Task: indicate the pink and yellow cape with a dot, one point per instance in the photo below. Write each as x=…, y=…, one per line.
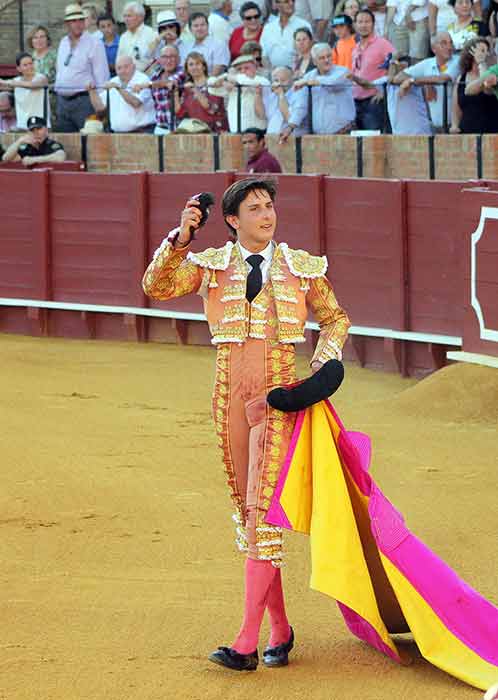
x=383, y=578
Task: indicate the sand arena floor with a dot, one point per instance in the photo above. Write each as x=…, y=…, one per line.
x=119, y=573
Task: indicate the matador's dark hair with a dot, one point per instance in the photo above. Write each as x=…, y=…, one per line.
x=237, y=193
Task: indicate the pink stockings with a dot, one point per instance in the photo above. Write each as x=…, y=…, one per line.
x=263, y=589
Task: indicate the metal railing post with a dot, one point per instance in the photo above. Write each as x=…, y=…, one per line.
x=310, y=108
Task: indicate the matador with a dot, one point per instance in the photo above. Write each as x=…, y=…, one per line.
x=256, y=295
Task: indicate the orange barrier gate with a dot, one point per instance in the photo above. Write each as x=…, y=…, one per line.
x=74, y=246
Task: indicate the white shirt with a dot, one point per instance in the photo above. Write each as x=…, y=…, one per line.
x=219, y=28
x=124, y=117
x=278, y=43
x=267, y=254
x=136, y=45
x=428, y=68
x=29, y=103
x=248, y=116
x=215, y=52
x=445, y=14
x=402, y=6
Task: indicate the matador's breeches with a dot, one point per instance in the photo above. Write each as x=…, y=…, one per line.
x=253, y=436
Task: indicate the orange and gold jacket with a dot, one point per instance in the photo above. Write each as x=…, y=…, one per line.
x=278, y=313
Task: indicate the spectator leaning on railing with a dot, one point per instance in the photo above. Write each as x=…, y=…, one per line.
x=130, y=111
x=276, y=104
x=81, y=59
x=473, y=114
x=197, y=101
x=29, y=93
x=487, y=83
x=167, y=76
x=432, y=73
x=35, y=146
x=333, y=110
x=408, y=113
x=136, y=40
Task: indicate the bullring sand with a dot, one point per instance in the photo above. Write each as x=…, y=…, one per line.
x=119, y=573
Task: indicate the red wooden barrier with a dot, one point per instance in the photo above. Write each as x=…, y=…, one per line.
x=395, y=251
x=66, y=166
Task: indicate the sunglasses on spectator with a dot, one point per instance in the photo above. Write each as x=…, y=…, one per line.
x=68, y=59
x=250, y=17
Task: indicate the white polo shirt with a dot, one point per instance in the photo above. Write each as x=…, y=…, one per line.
x=124, y=117
x=215, y=52
x=29, y=103
x=136, y=45
x=278, y=43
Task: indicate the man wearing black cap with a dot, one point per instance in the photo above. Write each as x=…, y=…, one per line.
x=35, y=146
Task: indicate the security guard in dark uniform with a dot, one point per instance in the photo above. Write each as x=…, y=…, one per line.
x=36, y=146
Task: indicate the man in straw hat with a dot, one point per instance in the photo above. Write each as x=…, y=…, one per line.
x=81, y=59
x=256, y=294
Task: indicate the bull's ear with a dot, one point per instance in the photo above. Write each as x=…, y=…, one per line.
x=317, y=387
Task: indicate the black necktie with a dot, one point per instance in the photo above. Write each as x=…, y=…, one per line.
x=254, y=278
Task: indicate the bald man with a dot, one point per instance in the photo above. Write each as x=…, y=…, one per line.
x=129, y=111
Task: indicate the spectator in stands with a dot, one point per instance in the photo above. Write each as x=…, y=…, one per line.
x=317, y=13
x=182, y=12
x=243, y=73
x=276, y=104
x=129, y=111
x=168, y=34
x=29, y=94
x=168, y=76
x=466, y=26
x=39, y=43
x=303, y=43
x=136, y=40
x=473, y=114
x=216, y=54
x=408, y=112
x=8, y=118
x=407, y=27
x=255, y=50
x=342, y=53
x=493, y=19
x=350, y=8
x=370, y=62
x=250, y=30
x=197, y=101
x=259, y=159
x=35, y=146
x=378, y=7
x=433, y=72
x=441, y=15
x=333, y=109
x=263, y=5
x=219, y=20
x=81, y=59
x=277, y=39
x=92, y=13
x=110, y=38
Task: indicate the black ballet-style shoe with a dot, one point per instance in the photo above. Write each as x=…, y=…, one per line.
x=279, y=655
x=228, y=657
x=319, y=386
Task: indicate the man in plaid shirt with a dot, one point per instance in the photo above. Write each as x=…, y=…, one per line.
x=166, y=77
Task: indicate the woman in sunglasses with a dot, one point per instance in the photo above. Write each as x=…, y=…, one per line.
x=250, y=30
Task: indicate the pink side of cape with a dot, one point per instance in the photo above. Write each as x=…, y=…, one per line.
x=465, y=613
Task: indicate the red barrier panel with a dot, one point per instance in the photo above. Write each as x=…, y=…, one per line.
x=365, y=243
x=24, y=235
x=434, y=257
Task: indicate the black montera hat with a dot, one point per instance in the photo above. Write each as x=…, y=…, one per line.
x=316, y=388
x=36, y=123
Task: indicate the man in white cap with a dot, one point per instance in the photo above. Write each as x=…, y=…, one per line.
x=243, y=78
x=137, y=38
x=168, y=34
x=81, y=59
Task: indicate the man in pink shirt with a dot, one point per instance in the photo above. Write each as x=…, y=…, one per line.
x=371, y=58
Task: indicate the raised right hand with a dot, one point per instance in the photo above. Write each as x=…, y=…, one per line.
x=190, y=217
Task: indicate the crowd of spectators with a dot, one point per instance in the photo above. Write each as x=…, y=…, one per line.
x=271, y=66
